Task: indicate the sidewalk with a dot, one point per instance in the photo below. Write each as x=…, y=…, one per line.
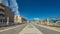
x=5, y=27
x=10, y=27
x=49, y=27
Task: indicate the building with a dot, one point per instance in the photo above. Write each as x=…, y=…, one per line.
x=24, y=20
x=6, y=15
x=19, y=19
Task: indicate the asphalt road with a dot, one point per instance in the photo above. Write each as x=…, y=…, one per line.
x=13, y=31
x=19, y=29
x=30, y=29
x=46, y=30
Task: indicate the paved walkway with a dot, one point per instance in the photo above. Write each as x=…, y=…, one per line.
x=30, y=29
x=52, y=28
x=46, y=30
x=13, y=30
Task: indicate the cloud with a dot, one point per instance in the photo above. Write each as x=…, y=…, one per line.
x=4, y=2
x=14, y=6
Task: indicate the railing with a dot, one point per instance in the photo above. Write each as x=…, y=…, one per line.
x=1, y=12
x=1, y=17
x=1, y=7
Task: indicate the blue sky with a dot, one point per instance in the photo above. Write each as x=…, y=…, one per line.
x=39, y=8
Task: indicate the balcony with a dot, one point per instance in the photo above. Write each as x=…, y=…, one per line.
x=1, y=12
x=2, y=17
x=1, y=7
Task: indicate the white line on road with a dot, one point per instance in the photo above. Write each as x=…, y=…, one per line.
x=37, y=29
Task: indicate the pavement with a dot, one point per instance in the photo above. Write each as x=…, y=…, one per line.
x=49, y=27
x=30, y=29
x=6, y=27
x=45, y=30
x=13, y=30
x=52, y=28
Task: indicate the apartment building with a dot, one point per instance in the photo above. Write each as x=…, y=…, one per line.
x=6, y=15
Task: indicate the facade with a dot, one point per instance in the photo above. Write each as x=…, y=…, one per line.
x=19, y=19
x=6, y=15
x=24, y=20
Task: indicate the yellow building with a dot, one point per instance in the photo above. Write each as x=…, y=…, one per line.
x=19, y=19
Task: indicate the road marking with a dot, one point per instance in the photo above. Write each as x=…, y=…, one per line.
x=10, y=28
x=37, y=29
x=30, y=29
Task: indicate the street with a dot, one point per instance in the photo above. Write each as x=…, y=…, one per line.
x=13, y=31
x=30, y=29
x=29, y=16
x=46, y=30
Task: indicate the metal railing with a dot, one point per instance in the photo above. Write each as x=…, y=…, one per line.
x=1, y=12
x=1, y=7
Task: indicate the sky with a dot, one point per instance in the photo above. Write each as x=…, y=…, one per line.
x=39, y=8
